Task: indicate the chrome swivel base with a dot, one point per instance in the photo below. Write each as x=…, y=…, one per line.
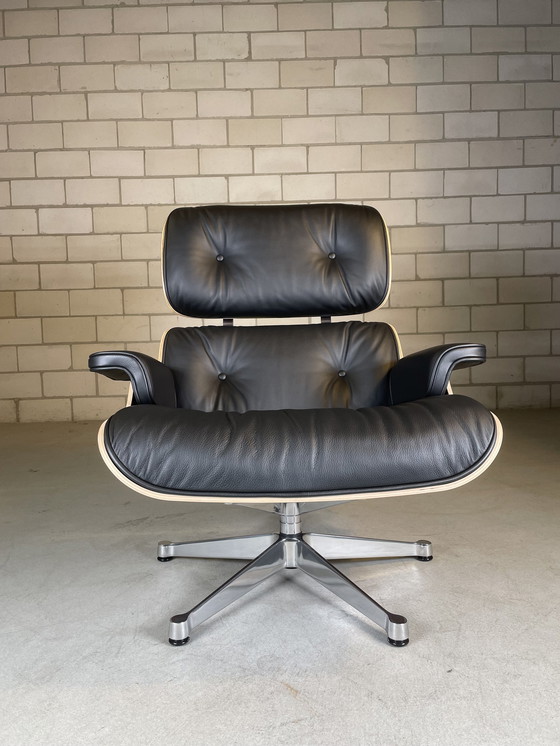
x=290, y=549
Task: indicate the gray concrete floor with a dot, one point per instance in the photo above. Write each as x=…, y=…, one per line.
x=84, y=609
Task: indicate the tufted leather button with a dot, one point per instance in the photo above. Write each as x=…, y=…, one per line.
x=220, y=258
x=332, y=255
x=222, y=376
x=342, y=373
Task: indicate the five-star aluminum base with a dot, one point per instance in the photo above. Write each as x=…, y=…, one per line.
x=290, y=549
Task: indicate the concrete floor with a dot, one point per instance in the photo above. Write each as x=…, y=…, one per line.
x=84, y=607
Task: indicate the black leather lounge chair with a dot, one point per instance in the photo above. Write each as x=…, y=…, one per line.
x=289, y=417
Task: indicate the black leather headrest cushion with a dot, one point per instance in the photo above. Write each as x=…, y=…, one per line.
x=275, y=261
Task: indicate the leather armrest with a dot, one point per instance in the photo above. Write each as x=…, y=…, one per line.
x=152, y=381
x=427, y=373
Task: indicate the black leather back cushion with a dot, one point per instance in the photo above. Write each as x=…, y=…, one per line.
x=275, y=261
x=307, y=366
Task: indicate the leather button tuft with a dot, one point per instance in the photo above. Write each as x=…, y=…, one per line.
x=332, y=255
x=222, y=376
x=220, y=258
x=342, y=373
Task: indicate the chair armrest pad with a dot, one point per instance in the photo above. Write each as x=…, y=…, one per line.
x=427, y=373
x=152, y=381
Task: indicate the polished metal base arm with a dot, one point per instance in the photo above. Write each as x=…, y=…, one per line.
x=290, y=549
x=354, y=547
x=266, y=564
x=236, y=547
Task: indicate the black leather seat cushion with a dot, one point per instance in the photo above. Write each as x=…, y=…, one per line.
x=291, y=453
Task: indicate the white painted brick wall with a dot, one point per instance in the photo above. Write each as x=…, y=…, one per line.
x=441, y=113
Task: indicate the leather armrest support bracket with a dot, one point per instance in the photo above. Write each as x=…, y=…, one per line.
x=427, y=373
x=152, y=381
